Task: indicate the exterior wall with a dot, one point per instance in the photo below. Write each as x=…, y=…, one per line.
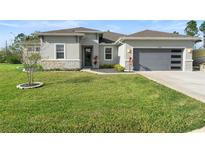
x=72, y=47
x=72, y=53
x=96, y=53
x=187, y=56
x=115, y=59
x=90, y=40
x=61, y=64
x=187, y=60
x=122, y=54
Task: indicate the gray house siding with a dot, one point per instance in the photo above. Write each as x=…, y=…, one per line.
x=115, y=59
x=72, y=53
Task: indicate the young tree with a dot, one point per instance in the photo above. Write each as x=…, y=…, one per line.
x=202, y=29
x=191, y=28
x=31, y=65
x=19, y=42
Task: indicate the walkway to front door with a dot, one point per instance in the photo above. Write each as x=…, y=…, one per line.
x=87, y=56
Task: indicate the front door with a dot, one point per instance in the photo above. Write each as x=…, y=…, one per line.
x=87, y=56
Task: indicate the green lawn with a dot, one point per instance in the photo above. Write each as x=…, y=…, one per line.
x=83, y=102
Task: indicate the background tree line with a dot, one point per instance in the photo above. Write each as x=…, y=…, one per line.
x=192, y=29
x=13, y=54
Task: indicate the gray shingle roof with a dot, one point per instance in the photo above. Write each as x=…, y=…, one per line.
x=152, y=33
x=73, y=30
x=111, y=36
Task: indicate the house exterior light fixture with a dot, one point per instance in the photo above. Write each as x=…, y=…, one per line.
x=189, y=50
x=129, y=50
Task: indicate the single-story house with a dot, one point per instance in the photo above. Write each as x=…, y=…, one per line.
x=80, y=47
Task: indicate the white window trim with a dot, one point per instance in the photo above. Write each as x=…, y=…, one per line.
x=56, y=52
x=111, y=53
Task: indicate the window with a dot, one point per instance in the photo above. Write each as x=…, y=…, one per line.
x=60, y=50
x=37, y=48
x=176, y=56
x=108, y=53
x=175, y=62
x=175, y=67
x=176, y=50
x=30, y=49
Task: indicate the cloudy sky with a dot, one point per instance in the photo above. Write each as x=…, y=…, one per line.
x=8, y=29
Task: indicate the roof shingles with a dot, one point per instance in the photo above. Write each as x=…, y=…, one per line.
x=73, y=30
x=152, y=33
x=110, y=37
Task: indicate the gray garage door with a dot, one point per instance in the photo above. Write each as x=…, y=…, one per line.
x=157, y=59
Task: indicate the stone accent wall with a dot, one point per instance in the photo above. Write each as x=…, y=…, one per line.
x=61, y=64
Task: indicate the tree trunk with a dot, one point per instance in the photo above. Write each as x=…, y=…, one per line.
x=29, y=75
x=27, y=71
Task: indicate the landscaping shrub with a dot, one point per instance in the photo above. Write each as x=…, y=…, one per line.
x=2, y=57
x=119, y=68
x=39, y=67
x=107, y=66
x=9, y=57
x=13, y=59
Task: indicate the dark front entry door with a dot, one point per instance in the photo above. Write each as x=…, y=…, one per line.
x=87, y=56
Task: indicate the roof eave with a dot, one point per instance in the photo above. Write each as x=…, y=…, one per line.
x=160, y=38
x=60, y=34
x=99, y=32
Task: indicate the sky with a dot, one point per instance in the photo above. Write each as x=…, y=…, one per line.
x=10, y=28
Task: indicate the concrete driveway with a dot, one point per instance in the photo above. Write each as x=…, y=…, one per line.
x=189, y=83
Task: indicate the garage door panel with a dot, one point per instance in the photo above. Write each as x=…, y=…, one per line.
x=152, y=59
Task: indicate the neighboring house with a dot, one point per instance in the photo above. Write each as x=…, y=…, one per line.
x=80, y=47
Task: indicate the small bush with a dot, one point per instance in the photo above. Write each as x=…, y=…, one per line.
x=2, y=57
x=13, y=59
x=119, y=68
x=39, y=67
x=9, y=57
x=107, y=66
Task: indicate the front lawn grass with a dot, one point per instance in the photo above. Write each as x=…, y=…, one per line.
x=83, y=102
